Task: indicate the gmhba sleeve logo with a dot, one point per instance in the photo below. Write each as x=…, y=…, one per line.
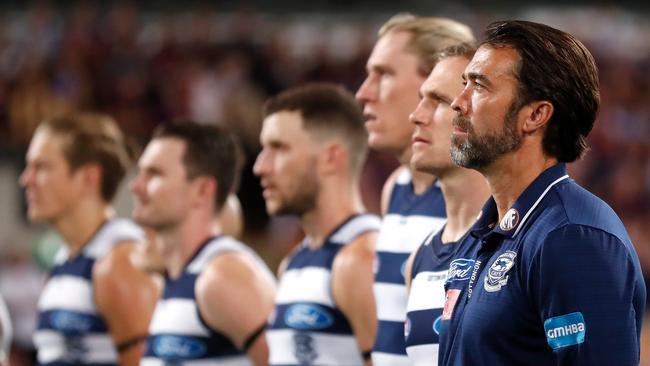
x=565, y=330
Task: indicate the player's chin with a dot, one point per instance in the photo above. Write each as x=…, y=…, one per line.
x=272, y=207
x=421, y=165
x=36, y=215
x=141, y=218
x=379, y=142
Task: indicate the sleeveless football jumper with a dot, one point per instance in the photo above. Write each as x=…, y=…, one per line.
x=307, y=328
x=70, y=330
x=178, y=335
x=409, y=219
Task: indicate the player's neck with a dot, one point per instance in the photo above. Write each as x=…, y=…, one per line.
x=465, y=193
x=510, y=175
x=179, y=243
x=404, y=157
x=82, y=222
x=335, y=204
x=421, y=181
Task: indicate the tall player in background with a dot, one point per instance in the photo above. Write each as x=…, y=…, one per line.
x=465, y=192
x=218, y=293
x=313, y=149
x=96, y=306
x=412, y=203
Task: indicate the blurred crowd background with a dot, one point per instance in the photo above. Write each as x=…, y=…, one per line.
x=148, y=63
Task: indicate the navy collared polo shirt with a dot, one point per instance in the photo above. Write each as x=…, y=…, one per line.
x=556, y=282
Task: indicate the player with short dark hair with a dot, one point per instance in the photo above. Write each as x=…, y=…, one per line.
x=218, y=293
x=313, y=148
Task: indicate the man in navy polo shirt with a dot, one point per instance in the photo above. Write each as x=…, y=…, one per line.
x=552, y=277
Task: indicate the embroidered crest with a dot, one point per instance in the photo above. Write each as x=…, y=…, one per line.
x=496, y=276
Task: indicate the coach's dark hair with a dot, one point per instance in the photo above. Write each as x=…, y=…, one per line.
x=556, y=67
x=327, y=110
x=209, y=151
x=93, y=138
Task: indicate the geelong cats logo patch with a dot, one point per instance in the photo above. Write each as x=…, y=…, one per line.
x=497, y=274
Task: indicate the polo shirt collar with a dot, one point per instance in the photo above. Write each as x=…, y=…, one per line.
x=521, y=210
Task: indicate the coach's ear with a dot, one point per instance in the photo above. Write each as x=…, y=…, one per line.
x=334, y=157
x=536, y=114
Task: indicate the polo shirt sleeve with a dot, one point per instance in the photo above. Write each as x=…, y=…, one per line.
x=582, y=283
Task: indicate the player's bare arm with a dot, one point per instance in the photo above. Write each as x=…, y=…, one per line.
x=352, y=281
x=235, y=297
x=126, y=297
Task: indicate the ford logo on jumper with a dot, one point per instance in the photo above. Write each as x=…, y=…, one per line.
x=305, y=316
x=68, y=321
x=460, y=269
x=175, y=347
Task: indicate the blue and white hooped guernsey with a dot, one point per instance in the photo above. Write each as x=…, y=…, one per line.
x=427, y=299
x=70, y=330
x=409, y=219
x=178, y=334
x=306, y=327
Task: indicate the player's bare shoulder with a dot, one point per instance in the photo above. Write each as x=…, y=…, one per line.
x=231, y=270
x=118, y=265
x=360, y=250
x=116, y=278
x=234, y=293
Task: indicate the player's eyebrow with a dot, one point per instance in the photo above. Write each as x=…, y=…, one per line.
x=380, y=68
x=437, y=96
